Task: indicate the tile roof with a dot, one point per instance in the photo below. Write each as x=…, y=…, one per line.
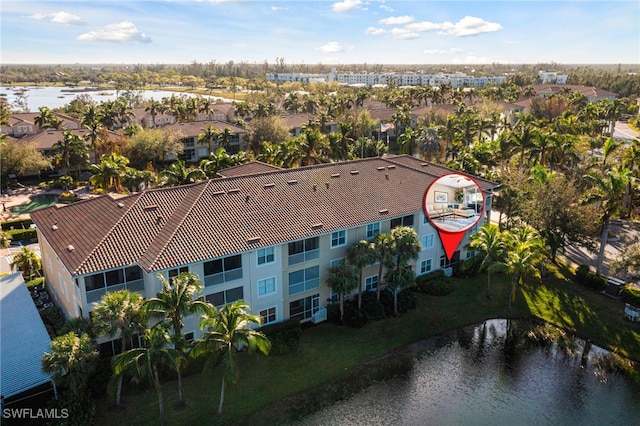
x=163, y=228
x=47, y=138
x=250, y=168
x=23, y=338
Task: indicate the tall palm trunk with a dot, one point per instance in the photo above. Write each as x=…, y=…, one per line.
x=360, y=291
x=221, y=397
x=379, y=284
x=603, y=244
x=156, y=383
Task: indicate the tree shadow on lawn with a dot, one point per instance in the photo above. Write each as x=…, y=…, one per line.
x=585, y=312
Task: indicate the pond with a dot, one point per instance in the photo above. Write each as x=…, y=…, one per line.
x=36, y=202
x=56, y=97
x=477, y=376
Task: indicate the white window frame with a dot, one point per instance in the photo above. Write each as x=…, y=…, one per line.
x=339, y=235
x=336, y=262
x=423, y=265
x=266, y=255
x=372, y=230
x=423, y=241
x=263, y=284
x=368, y=282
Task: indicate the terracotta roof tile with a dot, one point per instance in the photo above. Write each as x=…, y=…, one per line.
x=224, y=216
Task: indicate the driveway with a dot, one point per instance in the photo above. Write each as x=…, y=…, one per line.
x=623, y=132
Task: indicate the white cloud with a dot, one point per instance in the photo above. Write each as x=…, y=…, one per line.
x=467, y=26
x=442, y=51
x=403, y=34
x=333, y=47
x=277, y=8
x=116, y=33
x=375, y=31
x=64, y=18
x=397, y=20
x=386, y=8
x=343, y=6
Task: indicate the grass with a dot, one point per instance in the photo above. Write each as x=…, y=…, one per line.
x=328, y=351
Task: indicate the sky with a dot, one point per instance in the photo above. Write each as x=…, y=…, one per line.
x=313, y=32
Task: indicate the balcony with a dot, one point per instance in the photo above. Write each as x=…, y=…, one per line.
x=222, y=277
x=136, y=286
x=305, y=256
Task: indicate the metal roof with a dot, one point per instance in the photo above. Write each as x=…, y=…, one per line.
x=23, y=338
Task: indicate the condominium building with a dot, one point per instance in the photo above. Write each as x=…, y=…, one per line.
x=268, y=237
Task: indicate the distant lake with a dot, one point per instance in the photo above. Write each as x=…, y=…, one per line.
x=56, y=97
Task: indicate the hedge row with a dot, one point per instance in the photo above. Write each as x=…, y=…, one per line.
x=22, y=234
x=631, y=295
x=284, y=336
x=16, y=224
x=434, y=284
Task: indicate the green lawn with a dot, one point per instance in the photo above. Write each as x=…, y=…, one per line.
x=327, y=351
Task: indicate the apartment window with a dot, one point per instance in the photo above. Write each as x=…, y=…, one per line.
x=303, y=250
x=177, y=271
x=98, y=284
x=444, y=263
x=222, y=270
x=425, y=219
x=471, y=253
x=334, y=263
x=268, y=316
x=402, y=221
x=371, y=283
x=304, y=308
x=426, y=241
x=188, y=337
x=339, y=238
x=333, y=296
x=266, y=255
x=303, y=280
x=373, y=230
x=425, y=266
x=225, y=297
x=266, y=286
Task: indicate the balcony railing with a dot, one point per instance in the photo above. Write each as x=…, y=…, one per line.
x=222, y=277
x=134, y=286
x=304, y=256
x=304, y=286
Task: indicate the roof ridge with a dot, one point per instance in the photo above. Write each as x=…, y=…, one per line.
x=194, y=199
x=116, y=223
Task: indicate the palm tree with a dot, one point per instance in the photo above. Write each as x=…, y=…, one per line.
x=209, y=135
x=109, y=172
x=360, y=255
x=343, y=280
x=224, y=140
x=524, y=251
x=490, y=242
x=384, y=254
x=631, y=160
x=119, y=313
x=226, y=330
x=179, y=174
x=406, y=246
x=5, y=239
x=47, y=119
x=27, y=261
x=71, y=150
x=607, y=190
x=217, y=161
x=71, y=362
x=154, y=108
x=144, y=362
x=172, y=304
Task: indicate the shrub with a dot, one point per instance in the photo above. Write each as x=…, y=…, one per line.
x=16, y=224
x=631, y=295
x=372, y=308
x=22, y=234
x=407, y=300
x=353, y=317
x=589, y=279
x=284, y=336
x=36, y=282
x=53, y=319
x=441, y=287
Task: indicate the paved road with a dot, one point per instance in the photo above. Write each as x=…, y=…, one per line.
x=623, y=132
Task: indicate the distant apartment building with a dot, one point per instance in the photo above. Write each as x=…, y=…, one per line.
x=456, y=80
x=549, y=77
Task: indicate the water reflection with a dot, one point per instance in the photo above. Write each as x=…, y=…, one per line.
x=494, y=374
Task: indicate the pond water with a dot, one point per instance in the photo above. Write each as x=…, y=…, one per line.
x=56, y=97
x=479, y=377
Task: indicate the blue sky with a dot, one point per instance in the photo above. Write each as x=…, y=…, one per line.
x=311, y=32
